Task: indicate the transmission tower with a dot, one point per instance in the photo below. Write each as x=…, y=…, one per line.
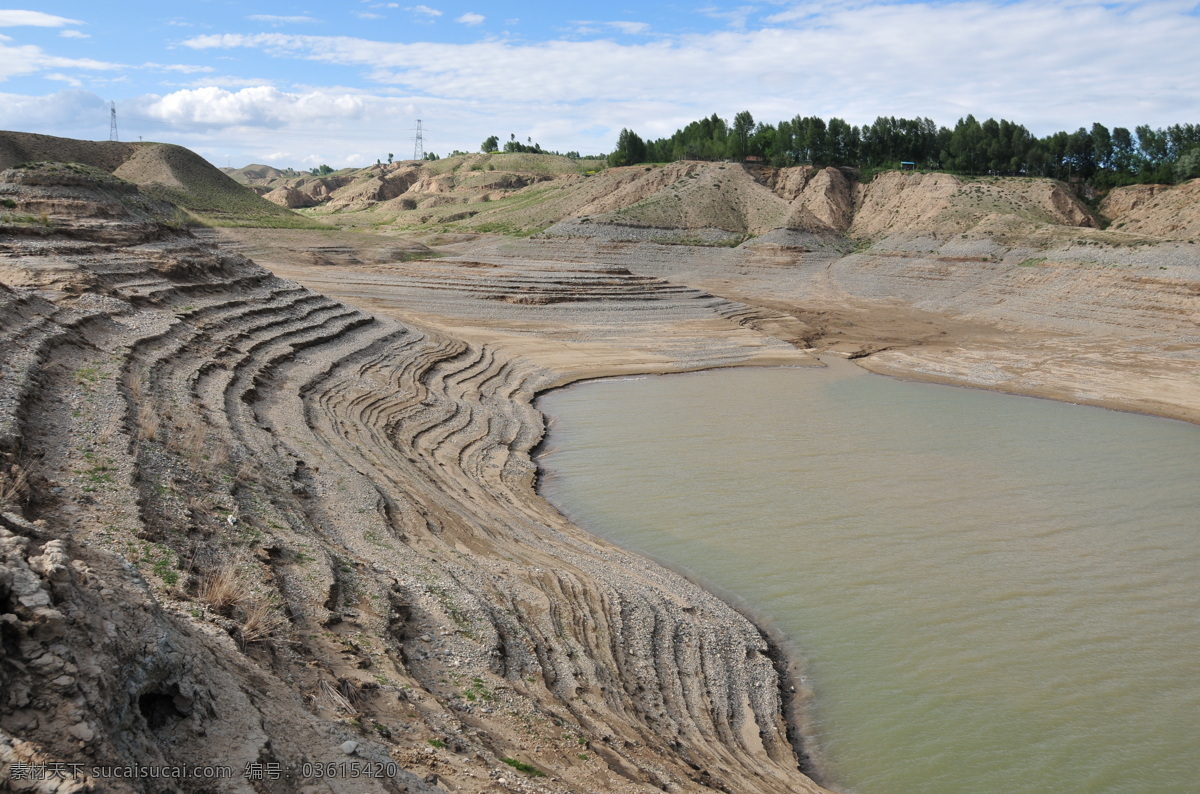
x=419, y=143
x=112, y=126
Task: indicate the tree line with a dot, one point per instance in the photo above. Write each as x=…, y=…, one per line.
x=1098, y=155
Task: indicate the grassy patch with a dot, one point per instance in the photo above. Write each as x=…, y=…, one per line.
x=477, y=691
x=521, y=766
x=508, y=229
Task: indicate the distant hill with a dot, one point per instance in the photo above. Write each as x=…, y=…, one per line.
x=258, y=174
x=163, y=170
x=699, y=202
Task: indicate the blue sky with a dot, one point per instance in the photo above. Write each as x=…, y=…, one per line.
x=306, y=83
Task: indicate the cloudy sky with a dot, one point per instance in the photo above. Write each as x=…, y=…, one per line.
x=344, y=83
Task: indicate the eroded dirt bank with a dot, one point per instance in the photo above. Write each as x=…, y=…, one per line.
x=247, y=524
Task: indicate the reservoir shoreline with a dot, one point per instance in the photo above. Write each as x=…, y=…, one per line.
x=755, y=614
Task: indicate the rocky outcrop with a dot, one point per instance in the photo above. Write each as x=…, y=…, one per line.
x=1120, y=200
x=306, y=191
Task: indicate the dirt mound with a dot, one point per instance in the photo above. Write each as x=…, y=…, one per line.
x=374, y=189
x=306, y=191
x=26, y=147
x=1156, y=210
x=702, y=202
x=169, y=172
x=1121, y=200
x=257, y=174
x=943, y=205
x=82, y=202
x=686, y=196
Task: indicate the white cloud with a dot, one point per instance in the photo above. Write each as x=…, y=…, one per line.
x=588, y=27
x=909, y=60
x=226, y=82
x=71, y=113
x=27, y=59
x=368, y=15
x=630, y=28
x=825, y=58
x=736, y=17
x=178, y=67
x=74, y=82
x=14, y=18
x=471, y=18
x=278, y=20
x=71, y=33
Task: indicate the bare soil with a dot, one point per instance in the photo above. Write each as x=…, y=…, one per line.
x=266, y=496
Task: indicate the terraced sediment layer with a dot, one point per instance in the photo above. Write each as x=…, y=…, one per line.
x=245, y=523
x=1070, y=313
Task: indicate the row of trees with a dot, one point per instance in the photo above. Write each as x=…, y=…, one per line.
x=1104, y=157
x=491, y=145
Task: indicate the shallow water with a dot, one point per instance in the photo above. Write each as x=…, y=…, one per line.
x=990, y=593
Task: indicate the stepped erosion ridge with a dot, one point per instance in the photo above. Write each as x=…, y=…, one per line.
x=267, y=484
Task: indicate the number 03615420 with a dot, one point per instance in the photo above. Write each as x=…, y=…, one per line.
x=345, y=769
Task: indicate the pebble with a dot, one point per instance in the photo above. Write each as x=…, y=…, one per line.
x=350, y=747
x=82, y=732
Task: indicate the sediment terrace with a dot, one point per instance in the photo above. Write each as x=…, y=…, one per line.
x=246, y=523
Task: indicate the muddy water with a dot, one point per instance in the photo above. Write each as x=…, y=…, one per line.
x=991, y=593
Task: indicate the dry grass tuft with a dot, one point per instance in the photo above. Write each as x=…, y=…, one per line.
x=14, y=485
x=110, y=430
x=339, y=701
x=229, y=592
x=248, y=471
x=224, y=590
x=262, y=621
x=149, y=426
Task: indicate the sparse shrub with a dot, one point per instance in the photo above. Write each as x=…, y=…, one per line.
x=9, y=203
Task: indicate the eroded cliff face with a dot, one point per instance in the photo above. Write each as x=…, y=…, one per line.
x=246, y=524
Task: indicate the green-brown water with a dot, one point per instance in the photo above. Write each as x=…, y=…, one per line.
x=990, y=593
